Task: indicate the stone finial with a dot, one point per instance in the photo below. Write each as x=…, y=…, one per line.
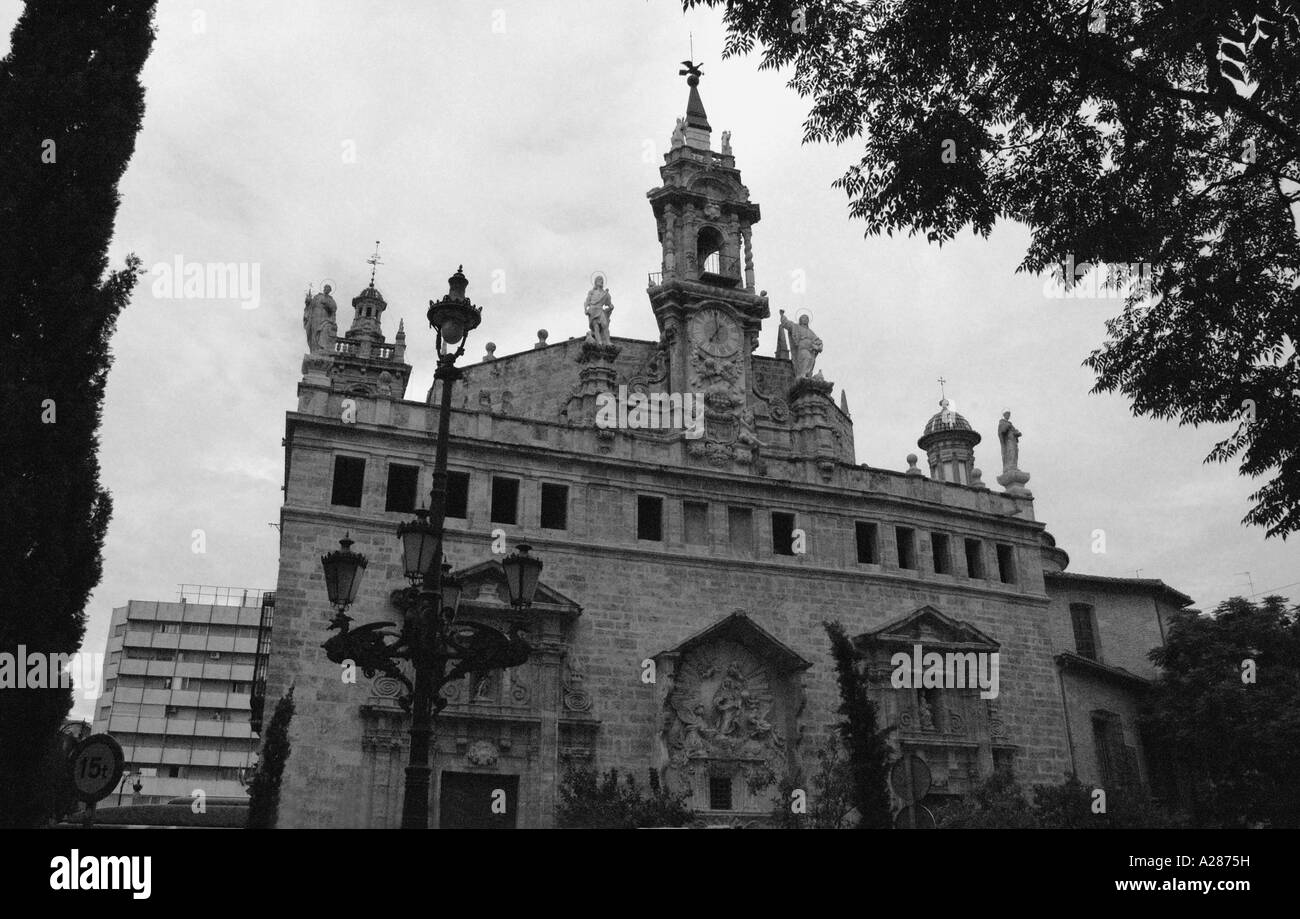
x=976, y=480
x=542, y=335
x=401, y=328
x=912, y=468
x=491, y=348
x=844, y=402
x=782, y=348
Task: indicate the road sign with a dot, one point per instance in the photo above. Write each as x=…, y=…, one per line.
x=910, y=778
x=96, y=765
x=914, y=817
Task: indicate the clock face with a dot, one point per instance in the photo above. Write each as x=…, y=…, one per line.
x=716, y=333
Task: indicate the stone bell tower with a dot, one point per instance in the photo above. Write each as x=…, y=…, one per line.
x=703, y=298
x=360, y=362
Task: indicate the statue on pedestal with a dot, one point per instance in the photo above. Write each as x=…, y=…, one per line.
x=598, y=307
x=804, y=345
x=1012, y=478
x=1009, y=438
x=319, y=323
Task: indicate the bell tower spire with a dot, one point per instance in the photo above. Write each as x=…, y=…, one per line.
x=697, y=132
x=709, y=313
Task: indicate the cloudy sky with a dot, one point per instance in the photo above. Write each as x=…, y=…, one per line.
x=520, y=139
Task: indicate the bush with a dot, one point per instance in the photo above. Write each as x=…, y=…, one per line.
x=1000, y=802
x=589, y=801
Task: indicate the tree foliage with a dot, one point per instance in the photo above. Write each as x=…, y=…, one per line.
x=829, y=801
x=264, y=790
x=1156, y=132
x=71, y=104
x=590, y=801
x=865, y=743
x=1227, y=711
x=1001, y=802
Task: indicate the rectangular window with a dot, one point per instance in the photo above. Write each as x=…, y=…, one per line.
x=169, y=628
x=171, y=711
x=190, y=683
x=119, y=630
x=740, y=529
x=173, y=772
x=868, y=548
x=941, y=549
x=649, y=518
x=1085, y=630
x=458, y=495
x=782, y=533
x=719, y=793
x=505, y=500
x=695, y=523
x=555, y=507
x=239, y=689
x=1006, y=564
x=349, y=474
x=974, y=559
x=402, y=482
x=906, y=537
x=1112, y=754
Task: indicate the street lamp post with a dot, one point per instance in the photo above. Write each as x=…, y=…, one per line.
x=430, y=637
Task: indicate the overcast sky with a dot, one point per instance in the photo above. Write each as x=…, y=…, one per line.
x=521, y=138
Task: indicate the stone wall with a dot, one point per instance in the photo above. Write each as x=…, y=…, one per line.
x=640, y=598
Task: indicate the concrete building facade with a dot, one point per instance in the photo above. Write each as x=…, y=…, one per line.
x=178, y=681
x=679, y=626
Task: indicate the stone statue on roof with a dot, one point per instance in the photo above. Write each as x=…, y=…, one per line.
x=598, y=307
x=319, y=323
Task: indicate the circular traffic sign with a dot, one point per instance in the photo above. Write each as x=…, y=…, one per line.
x=914, y=817
x=910, y=778
x=96, y=764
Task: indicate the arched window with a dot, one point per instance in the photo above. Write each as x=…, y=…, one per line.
x=708, y=251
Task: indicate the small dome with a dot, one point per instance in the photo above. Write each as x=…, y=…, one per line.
x=370, y=293
x=946, y=420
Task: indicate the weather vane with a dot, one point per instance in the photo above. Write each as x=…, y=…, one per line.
x=691, y=71
x=374, y=262
x=941, y=392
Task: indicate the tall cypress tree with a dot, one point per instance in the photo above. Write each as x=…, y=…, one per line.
x=71, y=104
x=264, y=790
x=865, y=742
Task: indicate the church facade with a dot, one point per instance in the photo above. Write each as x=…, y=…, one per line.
x=700, y=513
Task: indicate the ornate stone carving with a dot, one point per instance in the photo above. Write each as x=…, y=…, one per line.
x=576, y=699
x=723, y=712
x=482, y=753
